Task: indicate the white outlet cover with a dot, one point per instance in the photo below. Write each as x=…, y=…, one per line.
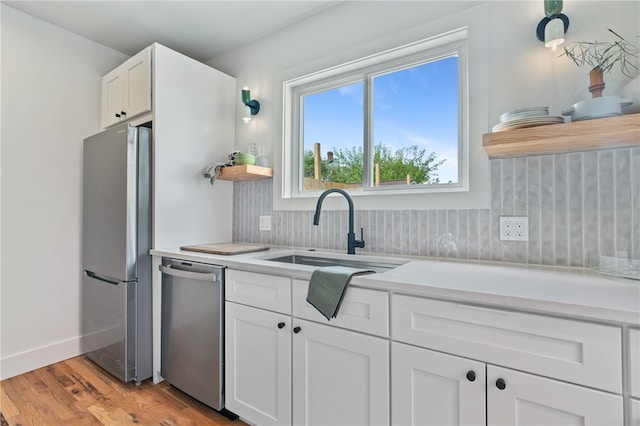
x=514, y=228
x=265, y=223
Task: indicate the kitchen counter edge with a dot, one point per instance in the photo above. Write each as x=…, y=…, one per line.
x=577, y=293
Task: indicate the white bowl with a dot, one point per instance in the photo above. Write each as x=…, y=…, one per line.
x=606, y=106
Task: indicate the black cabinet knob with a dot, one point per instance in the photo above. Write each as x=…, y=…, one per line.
x=280, y=325
x=471, y=375
x=296, y=330
x=117, y=115
x=500, y=384
x=123, y=113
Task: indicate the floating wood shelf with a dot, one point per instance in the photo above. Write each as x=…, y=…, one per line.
x=245, y=172
x=602, y=133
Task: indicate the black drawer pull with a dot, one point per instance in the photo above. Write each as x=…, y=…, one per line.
x=280, y=325
x=500, y=384
x=296, y=330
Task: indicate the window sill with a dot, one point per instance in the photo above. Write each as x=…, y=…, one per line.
x=603, y=133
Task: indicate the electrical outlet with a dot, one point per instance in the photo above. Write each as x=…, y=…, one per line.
x=514, y=228
x=265, y=223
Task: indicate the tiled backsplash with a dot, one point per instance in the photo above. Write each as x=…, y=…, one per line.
x=576, y=203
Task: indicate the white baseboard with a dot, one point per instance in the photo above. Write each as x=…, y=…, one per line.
x=33, y=359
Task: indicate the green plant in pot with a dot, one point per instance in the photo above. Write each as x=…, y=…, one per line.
x=602, y=57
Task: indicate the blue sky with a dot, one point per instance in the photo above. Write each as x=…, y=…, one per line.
x=415, y=106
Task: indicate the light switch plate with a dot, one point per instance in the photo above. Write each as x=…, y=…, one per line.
x=265, y=223
x=514, y=228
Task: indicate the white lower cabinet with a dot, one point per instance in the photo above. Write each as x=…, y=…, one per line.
x=515, y=398
x=283, y=370
x=447, y=363
x=551, y=371
x=432, y=388
x=634, y=362
x=258, y=364
x=340, y=377
x=634, y=412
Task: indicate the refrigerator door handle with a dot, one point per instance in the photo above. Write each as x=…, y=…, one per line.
x=101, y=278
x=212, y=277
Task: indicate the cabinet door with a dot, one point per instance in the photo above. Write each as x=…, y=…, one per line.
x=126, y=91
x=634, y=362
x=432, y=388
x=340, y=377
x=531, y=400
x=137, y=92
x=112, y=98
x=634, y=412
x=258, y=364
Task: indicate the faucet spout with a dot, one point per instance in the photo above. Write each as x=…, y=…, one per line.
x=352, y=243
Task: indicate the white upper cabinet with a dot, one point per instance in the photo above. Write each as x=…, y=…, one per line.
x=126, y=91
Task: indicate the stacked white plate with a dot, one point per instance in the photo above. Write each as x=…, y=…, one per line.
x=526, y=117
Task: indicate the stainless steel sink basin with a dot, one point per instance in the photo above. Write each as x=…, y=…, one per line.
x=301, y=259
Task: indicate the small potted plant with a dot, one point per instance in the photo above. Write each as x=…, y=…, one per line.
x=602, y=57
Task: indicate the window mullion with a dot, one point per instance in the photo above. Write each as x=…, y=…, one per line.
x=367, y=149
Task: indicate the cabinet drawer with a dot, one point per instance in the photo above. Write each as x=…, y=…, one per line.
x=576, y=351
x=262, y=291
x=634, y=362
x=362, y=309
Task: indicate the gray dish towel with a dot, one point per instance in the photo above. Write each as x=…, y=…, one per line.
x=327, y=287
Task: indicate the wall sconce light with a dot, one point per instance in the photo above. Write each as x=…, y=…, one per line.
x=554, y=25
x=251, y=107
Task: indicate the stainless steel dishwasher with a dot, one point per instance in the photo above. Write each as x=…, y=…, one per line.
x=192, y=357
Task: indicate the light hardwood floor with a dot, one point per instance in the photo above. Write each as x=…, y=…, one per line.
x=77, y=392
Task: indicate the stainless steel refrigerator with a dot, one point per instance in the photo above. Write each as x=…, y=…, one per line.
x=116, y=238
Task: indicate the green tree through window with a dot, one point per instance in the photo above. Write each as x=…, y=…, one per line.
x=394, y=166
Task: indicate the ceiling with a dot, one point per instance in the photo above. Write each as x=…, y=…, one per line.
x=199, y=29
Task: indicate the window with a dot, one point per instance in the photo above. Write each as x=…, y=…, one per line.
x=390, y=122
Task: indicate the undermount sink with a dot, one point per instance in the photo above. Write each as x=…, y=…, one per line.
x=303, y=259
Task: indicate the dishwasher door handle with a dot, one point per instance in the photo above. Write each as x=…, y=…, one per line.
x=200, y=276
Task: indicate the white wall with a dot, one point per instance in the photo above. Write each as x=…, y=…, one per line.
x=524, y=73
x=516, y=69
x=50, y=103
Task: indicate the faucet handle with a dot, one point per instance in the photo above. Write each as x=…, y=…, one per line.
x=360, y=243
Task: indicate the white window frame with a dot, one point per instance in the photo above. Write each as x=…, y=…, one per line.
x=365, y=69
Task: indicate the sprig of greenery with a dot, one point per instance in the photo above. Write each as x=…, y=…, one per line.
x=603, y=55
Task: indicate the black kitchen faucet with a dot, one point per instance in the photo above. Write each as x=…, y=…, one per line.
x=352, y=243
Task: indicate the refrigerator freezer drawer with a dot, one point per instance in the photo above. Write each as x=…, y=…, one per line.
x=108, y=325
x=192, y=330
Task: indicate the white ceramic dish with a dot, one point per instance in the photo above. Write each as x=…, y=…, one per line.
x=605, y=106
x=523, y=112
x=528, y=122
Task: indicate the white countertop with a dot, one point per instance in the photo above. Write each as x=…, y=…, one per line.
x=568, y=292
